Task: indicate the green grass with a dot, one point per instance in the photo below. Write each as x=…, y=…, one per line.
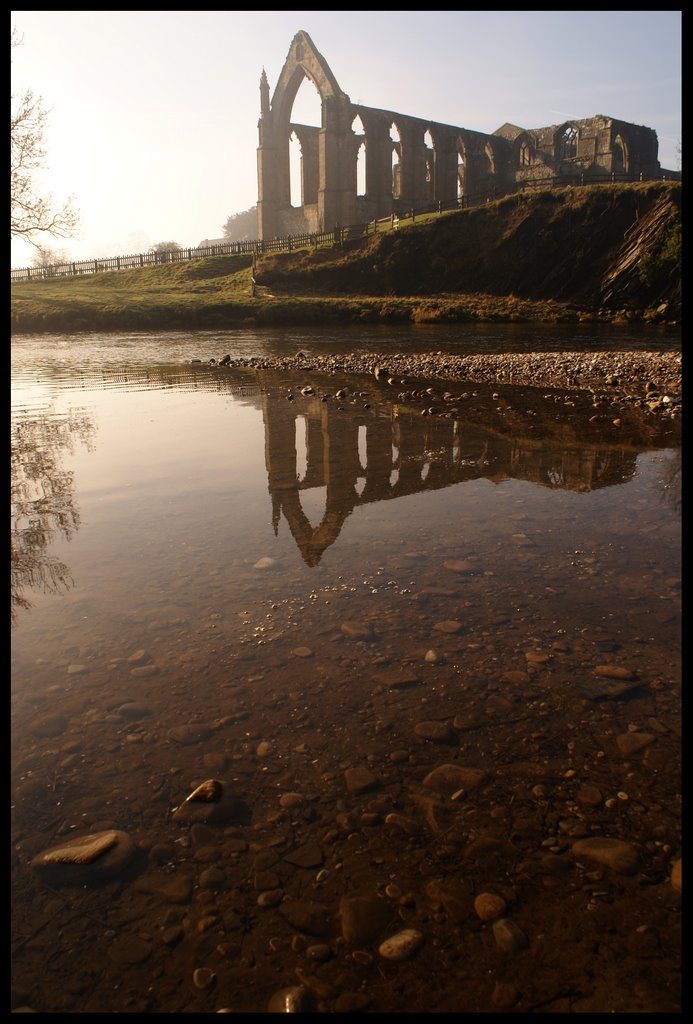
x=325, y=286
x=212, y=293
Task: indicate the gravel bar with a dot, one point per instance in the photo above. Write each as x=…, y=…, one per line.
x=628, y=374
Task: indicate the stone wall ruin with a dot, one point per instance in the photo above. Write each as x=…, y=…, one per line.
x=412, y=163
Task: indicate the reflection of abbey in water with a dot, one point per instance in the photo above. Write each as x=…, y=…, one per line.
x=359, y=455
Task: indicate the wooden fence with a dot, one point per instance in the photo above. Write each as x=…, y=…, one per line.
x=307, y=240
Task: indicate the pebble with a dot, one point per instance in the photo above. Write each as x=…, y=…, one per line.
x=436, y=732
x=302, y=652
x=614, y=672
x=211, y=801
x=458, y=565
x=489, y=906
x=294, y=999
x=449, y=778
x=504, y=996
x=81, y=860
x=358, y=630
x=203, y=977
x=363, y=918
x=397, y=677
x=266, y=563
x=360, y=780
x=630, y=743
x=509, y=936
x=193, y=732
x=49, y=726
x=616, y=854
x=449, y=626
x=402, y=945
x=130, y=950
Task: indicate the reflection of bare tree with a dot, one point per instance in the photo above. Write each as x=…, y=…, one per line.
x=42, y=496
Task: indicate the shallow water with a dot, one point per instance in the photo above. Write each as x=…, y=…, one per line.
x=213, y=547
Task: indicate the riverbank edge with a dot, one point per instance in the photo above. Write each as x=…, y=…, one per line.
x=629, y=376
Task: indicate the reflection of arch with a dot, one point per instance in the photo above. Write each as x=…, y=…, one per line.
x=358, y=456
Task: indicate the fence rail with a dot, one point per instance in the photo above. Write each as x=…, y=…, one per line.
x=307, y=240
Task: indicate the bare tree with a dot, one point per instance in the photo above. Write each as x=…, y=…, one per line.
x=46, y=256
x=33, y=214
x=166, y=247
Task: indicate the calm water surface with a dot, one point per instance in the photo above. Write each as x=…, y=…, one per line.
x=193, y=545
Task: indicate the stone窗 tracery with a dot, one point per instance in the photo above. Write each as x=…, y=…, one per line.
x=409, y=162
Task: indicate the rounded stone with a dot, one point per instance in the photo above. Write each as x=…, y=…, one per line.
x=402, y=945
x=212, y=801
x=84, y=860
x=436, y=732
x=489, y=906
x=616, y=854
x=203, y=977
x=509, y=936
x=614, y=672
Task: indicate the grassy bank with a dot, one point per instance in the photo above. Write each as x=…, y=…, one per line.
x=217, y=292
x=565, y=256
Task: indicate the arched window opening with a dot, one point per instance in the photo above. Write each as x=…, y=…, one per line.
x=295, y=169
x=363, y=447
x=525, y=154
x=301, y=449
x=430, y=157
x=360, y=133
x=307, y=107
x=568, y=143
x=396, y=161
x=314, y=503
x=619, y=158
x=306, y=110
x=460, y=176
x=490, y=158
x=361, y=170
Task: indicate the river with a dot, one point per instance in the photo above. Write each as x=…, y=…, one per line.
x=309, y=591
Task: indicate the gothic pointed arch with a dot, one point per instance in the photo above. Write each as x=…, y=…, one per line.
x=303, y=61
x=354, y=169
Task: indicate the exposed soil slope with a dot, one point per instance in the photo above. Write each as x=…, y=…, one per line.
x=579, y=245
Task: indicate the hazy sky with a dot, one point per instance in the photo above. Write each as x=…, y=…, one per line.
x=152, y=122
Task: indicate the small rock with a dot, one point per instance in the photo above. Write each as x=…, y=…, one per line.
x=402, y=945
x=630, y=743
x=203, y=977
x=616, y=854
x=360, y=780
x=82, y=860
x=358, y=630
x=294, y=999
x=212, y=801
x=489, y=906
x=449, y=778
x=509, y=936
x=614, y=672
x=436, y=732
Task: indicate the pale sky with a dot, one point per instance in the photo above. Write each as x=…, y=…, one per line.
x=152, y=115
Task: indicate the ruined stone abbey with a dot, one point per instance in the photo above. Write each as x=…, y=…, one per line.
x=412, y=163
